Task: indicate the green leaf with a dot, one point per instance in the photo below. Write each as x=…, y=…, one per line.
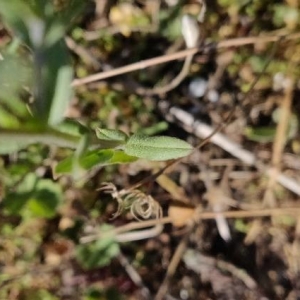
x=98, y=253
x=285, y=14
x=9, y=147
x=38, y=22
x=71, y=127
x=37, y=294
x=170, y=23
x=8, y=120
x=157, y=148
x=16, y=106
x=154, y=129
x=96, y=157
x=53, y=77
x=110, y=138
x=16, y=14
x=120, y=157
x=267, y=134
x=59, y=20
x=293, y=122
x=62, y=95
x=42, y=26
x=10, y=84
x=55, y=32
x=111, y=135
x=64, y=166
x=87, y=161
x=260, y=134
x=15, y=200
x=45, y=199
x=38, y=197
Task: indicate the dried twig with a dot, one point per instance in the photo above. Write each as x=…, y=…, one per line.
x=279, y=141
x=218, y=197
x=134, y=276
x=202, y=130
x=122, y=231
x=173, y=265
x=171, y=85
x=206, y=132
x=200, y=263
x=85, y=55
x=209, y=46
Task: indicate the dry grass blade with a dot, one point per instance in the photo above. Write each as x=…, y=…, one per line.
x=201, y=263
x=173, y=265
x=134, y=276
x=84, y=54
x=171, y=85
x=124, y=234
x=218, y=200
x=202, y=130
x=207, y=133
x=172, y=188
x=182, y=54
x=280, y=140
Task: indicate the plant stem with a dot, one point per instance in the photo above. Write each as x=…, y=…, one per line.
x=48, y=137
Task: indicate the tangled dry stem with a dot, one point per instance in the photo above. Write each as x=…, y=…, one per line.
x=141, y=206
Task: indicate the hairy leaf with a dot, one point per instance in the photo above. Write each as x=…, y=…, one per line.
x=111, y=135
x=157, y=148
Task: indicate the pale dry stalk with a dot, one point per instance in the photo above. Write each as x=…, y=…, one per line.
x=237, y=42
x=279, y=141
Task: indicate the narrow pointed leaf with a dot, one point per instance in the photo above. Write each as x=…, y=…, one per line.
x=96, y=157
x=62, y=95
x=64, y=166
x=120, y=157
x=71, y=127
x=89, y=160
x=111, y=135
x=110, y=138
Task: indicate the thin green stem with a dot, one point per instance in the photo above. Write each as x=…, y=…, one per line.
x=48, y=137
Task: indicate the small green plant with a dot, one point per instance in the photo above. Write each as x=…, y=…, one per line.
x=41, y=26
x=35, y=78
x=115, y=147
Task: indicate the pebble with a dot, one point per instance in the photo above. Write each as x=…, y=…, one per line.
x=198, y=87
x=213, y=96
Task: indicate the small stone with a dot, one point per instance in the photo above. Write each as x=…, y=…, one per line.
x=198, y=87
x=213, y=96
